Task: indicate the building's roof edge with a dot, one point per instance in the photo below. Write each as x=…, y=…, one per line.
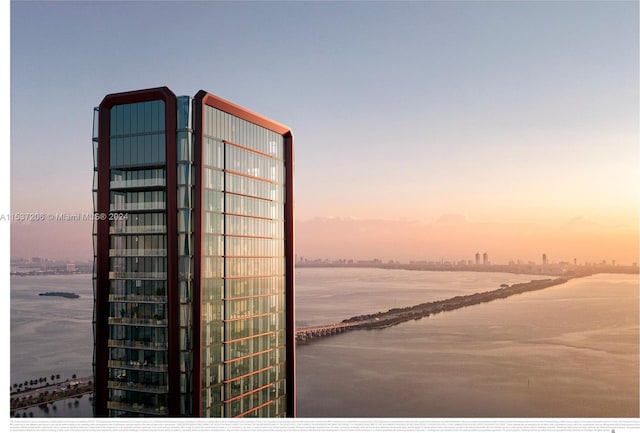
x=137, y=95
x=206, y=98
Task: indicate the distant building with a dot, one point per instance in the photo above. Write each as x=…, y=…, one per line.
x=71, y=267
x=485, y=259
x=544, y=259
x=477, y=258
x=193, y=269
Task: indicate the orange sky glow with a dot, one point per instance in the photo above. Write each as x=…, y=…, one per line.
x=502, y=127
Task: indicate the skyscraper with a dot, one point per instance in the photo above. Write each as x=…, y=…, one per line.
x=193, y=258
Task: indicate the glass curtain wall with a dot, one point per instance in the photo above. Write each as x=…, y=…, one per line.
x=138, y=336
x=243, y=269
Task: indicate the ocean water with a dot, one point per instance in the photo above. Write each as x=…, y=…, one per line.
x=565, y=351
x=52, y=335
x=330, y=295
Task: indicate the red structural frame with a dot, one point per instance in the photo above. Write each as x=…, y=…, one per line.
x=201, y=99
x=102, y=254
x=101, y=317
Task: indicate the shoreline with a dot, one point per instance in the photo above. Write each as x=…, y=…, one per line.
x=49, y=393
x=394, y=316
x=557, y=270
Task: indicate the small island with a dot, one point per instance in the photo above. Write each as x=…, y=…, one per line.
x=62, y=294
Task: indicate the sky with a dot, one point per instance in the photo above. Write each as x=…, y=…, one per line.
x=423, y=130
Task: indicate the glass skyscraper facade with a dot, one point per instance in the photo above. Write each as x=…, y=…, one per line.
x=193, y=252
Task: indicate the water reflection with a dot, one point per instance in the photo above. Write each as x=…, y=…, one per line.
x=566, y=351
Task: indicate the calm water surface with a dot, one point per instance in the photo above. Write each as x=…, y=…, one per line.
x=52, y=335
x=566, y=351
x=329, y=295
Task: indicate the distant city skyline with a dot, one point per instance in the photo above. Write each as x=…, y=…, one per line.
x=462, y=262
x=505, y=127
x=472, y=260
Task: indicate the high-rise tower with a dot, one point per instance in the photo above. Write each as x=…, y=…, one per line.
x=193, y=258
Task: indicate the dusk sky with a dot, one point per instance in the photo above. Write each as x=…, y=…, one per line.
x=423, y=130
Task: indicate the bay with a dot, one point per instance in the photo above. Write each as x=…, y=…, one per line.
x=52, y=335
x=565, y=351
x=330, y=295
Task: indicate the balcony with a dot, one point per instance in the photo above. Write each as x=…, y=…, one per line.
x=138, y=366
x=134, y=386
x=145, y=299
x=138, y=229
x=133, y=344
x=137, y=408
x=136, y=322
x=137, y=183
x=138, y=252
x=137, y=275
x=145, y=205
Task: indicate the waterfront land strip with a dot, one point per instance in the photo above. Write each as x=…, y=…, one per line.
x=395, y=316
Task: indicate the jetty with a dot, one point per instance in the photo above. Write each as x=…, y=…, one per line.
x=395, y=316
